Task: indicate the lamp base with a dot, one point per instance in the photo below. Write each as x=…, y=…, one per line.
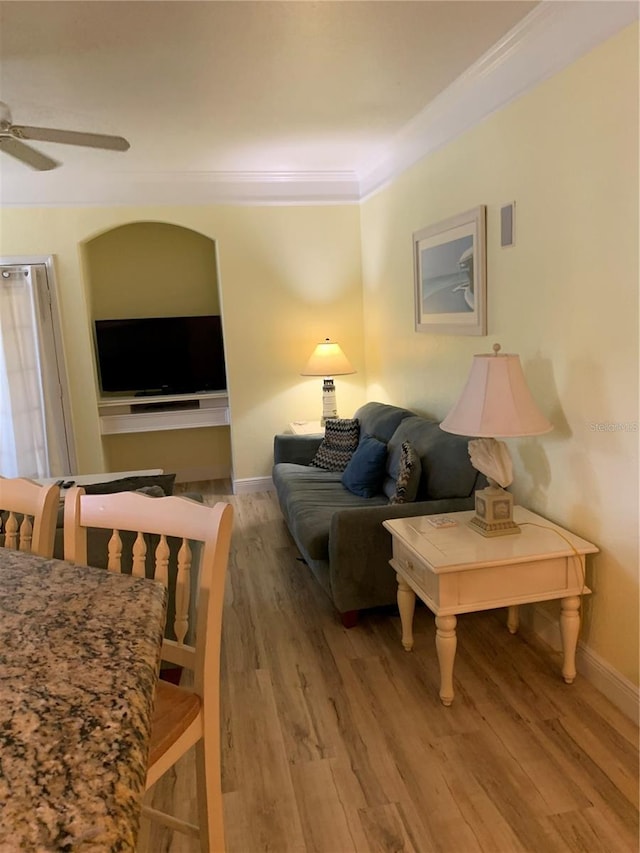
x=494, y=513
x=329, y=406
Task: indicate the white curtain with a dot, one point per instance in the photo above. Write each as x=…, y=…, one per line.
x=23, y=444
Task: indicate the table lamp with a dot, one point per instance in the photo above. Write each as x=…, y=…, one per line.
x=328, y=360
x=495, y=402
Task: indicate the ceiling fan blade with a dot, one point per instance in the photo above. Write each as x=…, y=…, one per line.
x=71, y=137
x=27, y=154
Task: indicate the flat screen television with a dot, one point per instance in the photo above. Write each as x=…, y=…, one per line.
x=161, y=355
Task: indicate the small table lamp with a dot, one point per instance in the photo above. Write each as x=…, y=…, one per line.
x=328, y=360
x=495, y=402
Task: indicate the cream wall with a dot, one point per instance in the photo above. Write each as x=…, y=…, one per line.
x=288, y=277
x=565, y=298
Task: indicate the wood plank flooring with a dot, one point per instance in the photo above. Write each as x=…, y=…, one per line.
x=335, y=740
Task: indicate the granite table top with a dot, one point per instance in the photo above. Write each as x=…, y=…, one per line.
x=79, y=656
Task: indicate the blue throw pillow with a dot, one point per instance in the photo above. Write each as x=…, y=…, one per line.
x=365, y=471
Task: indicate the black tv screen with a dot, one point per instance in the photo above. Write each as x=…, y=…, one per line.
x=161, y=355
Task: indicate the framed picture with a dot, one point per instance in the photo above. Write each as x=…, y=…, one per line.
x=450, y=275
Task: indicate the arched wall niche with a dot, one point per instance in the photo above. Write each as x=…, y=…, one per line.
x=156, y=269
x=151, y=269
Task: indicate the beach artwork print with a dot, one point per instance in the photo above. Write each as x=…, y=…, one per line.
x=447, y=277
x=450, y=286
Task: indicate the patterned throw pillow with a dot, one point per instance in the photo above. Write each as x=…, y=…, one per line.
x=409, y=472
x=338, y=445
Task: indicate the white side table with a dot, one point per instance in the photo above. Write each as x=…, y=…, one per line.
x=306, y=427
x=457, y=570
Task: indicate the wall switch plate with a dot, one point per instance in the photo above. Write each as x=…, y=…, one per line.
x=507, y=223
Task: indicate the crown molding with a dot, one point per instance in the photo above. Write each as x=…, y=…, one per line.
x=73, y=188
x=552, y=36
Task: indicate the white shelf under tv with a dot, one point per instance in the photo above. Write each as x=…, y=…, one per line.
x=163, y=412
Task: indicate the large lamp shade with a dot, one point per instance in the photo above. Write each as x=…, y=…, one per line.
x=495, y=403
x=327, y=359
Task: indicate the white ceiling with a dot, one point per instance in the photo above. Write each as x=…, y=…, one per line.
x=217, y=90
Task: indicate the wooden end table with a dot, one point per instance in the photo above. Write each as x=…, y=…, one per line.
x=457, y=570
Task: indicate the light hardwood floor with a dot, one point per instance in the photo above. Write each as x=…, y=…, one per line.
x=335, y=740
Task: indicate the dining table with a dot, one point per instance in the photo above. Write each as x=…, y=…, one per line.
x=79, y=661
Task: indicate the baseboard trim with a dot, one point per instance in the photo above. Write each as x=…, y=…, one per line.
x=252, y=484
x=618, y=689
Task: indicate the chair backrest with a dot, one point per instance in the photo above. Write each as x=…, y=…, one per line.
x=28, y=515
x=177, y=517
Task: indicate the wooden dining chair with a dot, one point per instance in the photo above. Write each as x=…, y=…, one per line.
x=28, y=515
x=183, y=717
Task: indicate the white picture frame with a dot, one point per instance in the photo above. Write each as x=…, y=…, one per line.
x=450, y=275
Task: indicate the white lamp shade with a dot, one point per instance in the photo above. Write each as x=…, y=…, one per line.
x=496, y=402
x=327, y=359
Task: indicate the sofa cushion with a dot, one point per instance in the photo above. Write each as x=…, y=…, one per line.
x=380, y=419
x=132, y=484
x=363, y=475
x=447, y=471
x=311, y=514
x=339, y=443
x=308, y=498
x=408, y=477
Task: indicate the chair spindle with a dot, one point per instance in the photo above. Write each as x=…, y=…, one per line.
x=139, y=552
x=161, y=572
x=26, y=533
x=114, y=563
x=183, y=586
x=11, y=532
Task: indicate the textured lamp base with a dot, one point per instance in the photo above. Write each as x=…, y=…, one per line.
x=494, y=513
x=498, y=528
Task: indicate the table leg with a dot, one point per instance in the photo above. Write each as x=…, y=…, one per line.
x=406, y=606
x=569, y=629
x=513, y=618
x=446, y=642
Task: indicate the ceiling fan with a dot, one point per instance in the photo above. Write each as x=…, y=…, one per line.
x=12, y=136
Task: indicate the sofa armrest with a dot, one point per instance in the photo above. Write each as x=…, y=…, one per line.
x=298, y=449
x=360, y=547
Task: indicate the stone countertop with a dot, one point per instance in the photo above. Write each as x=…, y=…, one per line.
x=79, y=655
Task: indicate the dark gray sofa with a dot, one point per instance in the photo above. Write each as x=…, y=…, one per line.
x=339, y=534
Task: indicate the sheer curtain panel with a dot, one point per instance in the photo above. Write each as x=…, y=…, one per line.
x=23, y=443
